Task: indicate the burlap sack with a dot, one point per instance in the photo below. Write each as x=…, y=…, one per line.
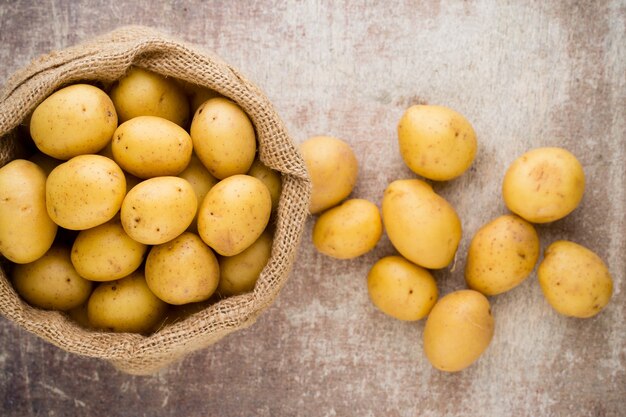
x=105, y=59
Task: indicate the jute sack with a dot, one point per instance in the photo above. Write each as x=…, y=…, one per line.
x=106, y=59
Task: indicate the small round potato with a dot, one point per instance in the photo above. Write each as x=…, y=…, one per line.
x=145, y=93
x=401, y=289
x=223, y=137
x=436, y=142
x=158, y=210
x=125, y=305
x=333, y=169
x=106, y=252
x=201, y=181
x=85, y=191
x=239, y=273
x=75, y=120
x=51, y=282
x=150, y=146
x=458, y=330
x=502, y=255
x=183, y=270
x=26, y=229
x=348, y=230
x=421, y=225
x=234, y=213
x=544, y=185
x=270, y=178
x=574, y=280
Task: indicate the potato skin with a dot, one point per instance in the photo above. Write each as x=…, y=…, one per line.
x=574, y=280
x=26, y=229
x=544, y=185
x=239, y=273
x=201, y=181
x=272, y=180
x=501, y=255
x=458, y=330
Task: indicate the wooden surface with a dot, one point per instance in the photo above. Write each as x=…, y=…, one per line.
x=526, y=74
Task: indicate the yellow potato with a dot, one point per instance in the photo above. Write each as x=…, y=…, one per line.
x=544, y=185
x=333, y=169
x=125, y=305
x=145, y=93
x=75, y=120
x=198, y=95
x=234, y=213
x=272, y=180
x=201, y=181
x=183, y=270
x=401, y=289
x=348, y=230
x=223, y=137
x=149, y=146
x=26, y=229
x=436, y=142
x=45, y=162
x=51, y=282
x=106, y=252
x=84, y=192
x=458, y=330
x=79, y=315
x=421, y=225
x=239, y=273
x=574, y=280
x=158, y=210
x=502, y=255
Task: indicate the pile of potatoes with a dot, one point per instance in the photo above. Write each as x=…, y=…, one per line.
x=439, y=144
x=130, y=208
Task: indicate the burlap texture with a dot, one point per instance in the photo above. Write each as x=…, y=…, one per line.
x=106, y=59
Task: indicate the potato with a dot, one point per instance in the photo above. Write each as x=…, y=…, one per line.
x=125, y=305
x=272, y=180
x=333, y=169
x=502, y=255
x=348, y=230
x=458, y=330
x=51, y=282
x=436, y=142
x=45, y=162
x=79, y=315
x=149, y=146
x=201, y=181
x=234, y=213
x=239, y=273
x=158, y=210
x=75, y=120
x=421, y=225
x=223, y=137
x=26, y=229
x=574, y=280
x=198, y=95
x=84, y=192
x=544, y=185
x=144, y=93
x=183, y=270
x=401, y=289
x=106, y=252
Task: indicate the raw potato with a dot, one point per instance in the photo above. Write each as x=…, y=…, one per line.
x=401, y=289
x=75, y=120
x=125, y=305
x=198, y=95
x=239, y=273
x=223, y=138
x=149, y=146
x=144, y=93
x=45, y=162
x=458, y=330
x=183, y=270
x=348, y=230
x=270, y=178
x=574, y=280
x=158, y=210
x=544, y=185
x=502, y=255
x=421, y=225
x=51, y=282
x=106, y=252
x=234, y=213
x=333, y=169
x=201, y=181
x=26, y=229
x=84, y=192
x=436, y=142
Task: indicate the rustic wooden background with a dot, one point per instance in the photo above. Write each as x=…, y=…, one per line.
x=525, y=73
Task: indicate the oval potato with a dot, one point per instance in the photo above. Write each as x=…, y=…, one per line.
x=271, y=178
x=201, y=181
x=239, y=273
